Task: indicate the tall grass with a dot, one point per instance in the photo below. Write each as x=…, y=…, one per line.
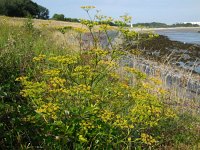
x=18, y=46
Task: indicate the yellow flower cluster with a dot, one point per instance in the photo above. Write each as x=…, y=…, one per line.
x=147, y=85
x=60, y=91
x=114, y=76
x=105, y=27
x=106, y=115
x=156, y=81
x=88, y=23
x=169, y=113
x=162, y=91
x=107, y=63
x=85, y=125
x=57, y=82
x=39, y=58
x=99, y=52
x=137, y=73
x=146, y=105
x=122, y=123
x=51, y=72
x=140, y=95
x=129, y=33
x=82, y=139
x=87, y=8
x=82, y=68
x=68, y=59
x=83, y=72
x=80, y=89
x=80, y=30
x=22, y=79
x=147, y=139
x=33, y=89
x=48, y=110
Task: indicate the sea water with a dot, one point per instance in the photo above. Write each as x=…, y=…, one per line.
x=186, y=35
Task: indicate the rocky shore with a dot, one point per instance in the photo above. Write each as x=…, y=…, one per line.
x=177, y=64
x=163, y=50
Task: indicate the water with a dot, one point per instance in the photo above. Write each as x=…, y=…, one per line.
x=187, y=35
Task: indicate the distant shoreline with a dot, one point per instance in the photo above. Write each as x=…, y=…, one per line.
x=172, y=28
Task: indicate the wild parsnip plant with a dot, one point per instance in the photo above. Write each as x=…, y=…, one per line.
x=85, y=100
x=83, y=103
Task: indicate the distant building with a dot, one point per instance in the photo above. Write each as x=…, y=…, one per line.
x=193, y=23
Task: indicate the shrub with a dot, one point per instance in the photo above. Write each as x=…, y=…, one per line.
x=85, y=103
x=59, y=17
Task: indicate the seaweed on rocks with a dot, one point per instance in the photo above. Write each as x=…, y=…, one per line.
x=164, y=50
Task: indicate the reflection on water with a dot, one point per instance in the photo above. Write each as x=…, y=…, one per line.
x=182, y=35
x=186, y=35
x=193, y=66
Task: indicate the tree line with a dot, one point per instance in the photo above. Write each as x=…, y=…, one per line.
x=61, y=17
x=163, y=25
x=23, y=8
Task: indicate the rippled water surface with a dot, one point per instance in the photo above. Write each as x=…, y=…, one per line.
x=190, y=35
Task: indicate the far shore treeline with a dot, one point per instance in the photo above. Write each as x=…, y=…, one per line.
x=61, y=17
x=163, y=25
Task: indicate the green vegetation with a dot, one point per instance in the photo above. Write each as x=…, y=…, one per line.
x=163, y=25
x=72, y=20
x=61, y=17
x=55, y=97
x=151, y=25
x=184, y=25
x=23, y=8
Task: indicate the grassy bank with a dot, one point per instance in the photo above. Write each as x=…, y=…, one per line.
x=60, y=92
x=38, y=23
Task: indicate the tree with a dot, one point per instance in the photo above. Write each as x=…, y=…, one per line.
x=60, y=17
x=2, y=7
x=43, y=13
x=23, y=8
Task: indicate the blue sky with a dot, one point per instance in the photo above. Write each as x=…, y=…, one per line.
x=166, y=11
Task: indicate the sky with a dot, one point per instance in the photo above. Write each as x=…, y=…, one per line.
x=166, y=11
